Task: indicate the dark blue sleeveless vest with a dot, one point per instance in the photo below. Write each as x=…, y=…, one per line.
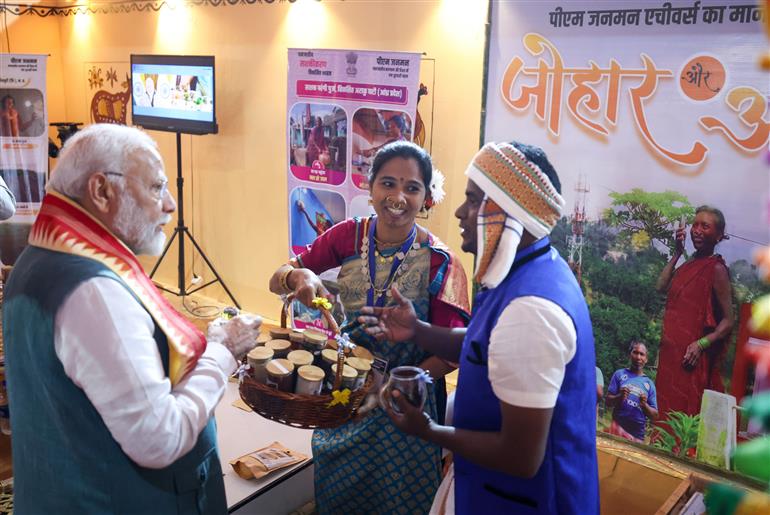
x=567, y=481
x=64, y=457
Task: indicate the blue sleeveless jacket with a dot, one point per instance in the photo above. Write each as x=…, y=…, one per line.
x=64, y=457
x=567, y=481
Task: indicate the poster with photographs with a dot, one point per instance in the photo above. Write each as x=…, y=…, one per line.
x=662, y=129
x=23, y=144
x=343, y=106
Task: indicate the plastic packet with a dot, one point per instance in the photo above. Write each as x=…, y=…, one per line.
x=262, y=462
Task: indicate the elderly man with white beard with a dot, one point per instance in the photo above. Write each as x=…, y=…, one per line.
x=112, y=392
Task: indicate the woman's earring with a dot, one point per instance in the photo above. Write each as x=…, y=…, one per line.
x=370, y=201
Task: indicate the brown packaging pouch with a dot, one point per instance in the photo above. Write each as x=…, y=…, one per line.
x=263, y=461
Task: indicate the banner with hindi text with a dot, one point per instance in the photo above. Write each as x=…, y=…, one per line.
x=647, y=110
x=23, y=144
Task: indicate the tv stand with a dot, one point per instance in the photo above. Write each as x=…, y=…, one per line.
x=179, y=232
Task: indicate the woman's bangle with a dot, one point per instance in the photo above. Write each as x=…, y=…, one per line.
x=283, y=281
x=704, y=343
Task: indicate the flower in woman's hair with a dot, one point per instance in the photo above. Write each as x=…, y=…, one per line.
x=436, y=187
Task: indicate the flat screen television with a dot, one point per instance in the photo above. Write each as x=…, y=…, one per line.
x=174, y=93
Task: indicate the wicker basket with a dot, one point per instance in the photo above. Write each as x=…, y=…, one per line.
x=299, y=410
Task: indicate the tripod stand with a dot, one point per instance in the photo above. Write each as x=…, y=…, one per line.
x=180, y=231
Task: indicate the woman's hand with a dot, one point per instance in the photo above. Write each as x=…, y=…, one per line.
x=306, y=286
x=396, y=324
x=691, y=355
x=369, y=403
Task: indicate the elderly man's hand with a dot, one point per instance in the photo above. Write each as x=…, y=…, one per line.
x=239, y=334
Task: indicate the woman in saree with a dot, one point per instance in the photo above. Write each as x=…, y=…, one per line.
x=697, y=320
x=316, y=144
x=367, y=465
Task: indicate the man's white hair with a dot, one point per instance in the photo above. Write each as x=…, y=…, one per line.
x=101, y=147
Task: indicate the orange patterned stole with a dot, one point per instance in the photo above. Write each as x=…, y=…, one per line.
x=64, y=226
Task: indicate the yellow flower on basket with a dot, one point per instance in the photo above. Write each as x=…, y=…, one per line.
x=322, y=303
x=340, y=397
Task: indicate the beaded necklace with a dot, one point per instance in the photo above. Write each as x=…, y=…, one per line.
x=376, y=296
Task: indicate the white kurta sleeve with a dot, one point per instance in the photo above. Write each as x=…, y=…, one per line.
x=7, y=201
x=104, y=340
x=529, y=349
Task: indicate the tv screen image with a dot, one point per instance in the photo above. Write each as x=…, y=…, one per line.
x=174, y=93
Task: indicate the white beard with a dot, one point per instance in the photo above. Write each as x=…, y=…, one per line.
x=137, y=230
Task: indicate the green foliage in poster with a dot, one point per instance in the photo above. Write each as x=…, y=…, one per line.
x=652, y=213
x=685, y=433
x=622, y=257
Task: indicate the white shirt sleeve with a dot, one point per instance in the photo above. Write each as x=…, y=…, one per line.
x=7, y=201
x=104, y=339
x=529, y=349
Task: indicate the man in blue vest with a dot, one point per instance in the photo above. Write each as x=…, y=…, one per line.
x=524, y=425
x=112, y=392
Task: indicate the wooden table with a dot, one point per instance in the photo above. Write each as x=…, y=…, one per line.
x=240, y=432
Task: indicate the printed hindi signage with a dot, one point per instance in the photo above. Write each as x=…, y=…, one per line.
x=23, y=144
x=666, y=14
x=647, y=110
x=343, y=106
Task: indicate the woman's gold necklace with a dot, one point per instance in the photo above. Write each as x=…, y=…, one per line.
x=402, y=268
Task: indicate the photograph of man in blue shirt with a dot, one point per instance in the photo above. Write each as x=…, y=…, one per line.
x=632, y=395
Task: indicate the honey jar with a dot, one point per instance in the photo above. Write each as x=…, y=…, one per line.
x=309, y=380
x=314, y=341
x=280, y=333
x=297, y=339
x=281, y=348
x=328, y=358
x=362, y=368
x=257, y=358
x=280, y=374
x=363, y=353
x=349, y=377
x=300, y=358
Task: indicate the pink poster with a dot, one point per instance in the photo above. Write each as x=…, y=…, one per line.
x=343, y=106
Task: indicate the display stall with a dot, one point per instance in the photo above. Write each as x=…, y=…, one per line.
x=654, y=115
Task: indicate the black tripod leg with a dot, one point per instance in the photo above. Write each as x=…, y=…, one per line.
x=181, y=230
x=211, y=267
x=168, y=246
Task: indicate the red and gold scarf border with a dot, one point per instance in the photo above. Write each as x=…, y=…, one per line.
x=64, y=226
